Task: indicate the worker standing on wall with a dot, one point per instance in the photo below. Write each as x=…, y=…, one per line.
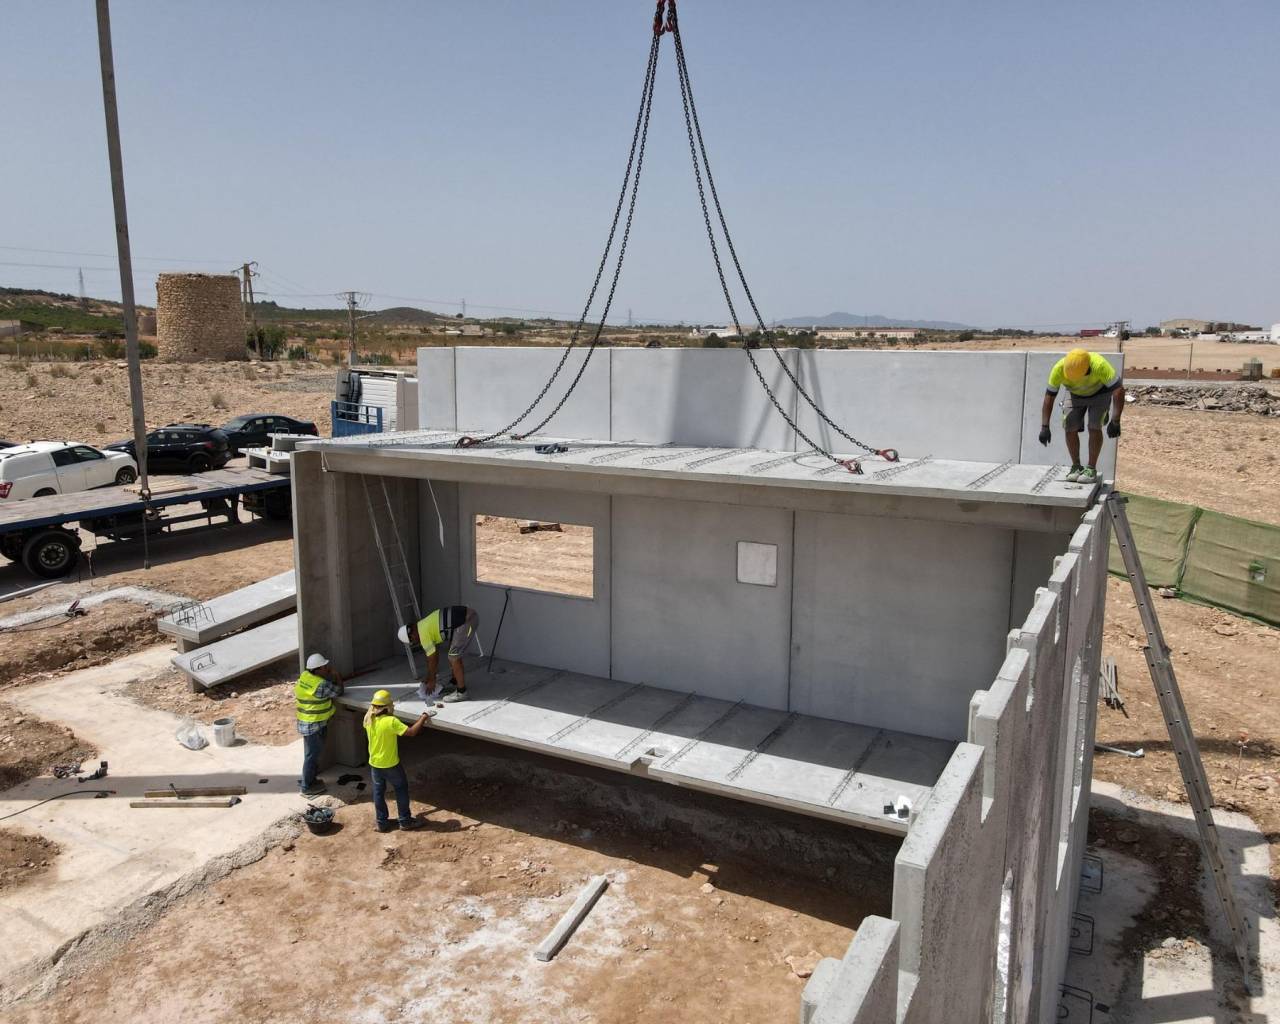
x=1096, y=393
x=384, y=730
x=313, y=694
x=455, y=625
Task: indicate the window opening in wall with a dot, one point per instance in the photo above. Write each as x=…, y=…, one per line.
x=532, y=554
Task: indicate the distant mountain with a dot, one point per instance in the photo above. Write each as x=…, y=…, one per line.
x=852, y=320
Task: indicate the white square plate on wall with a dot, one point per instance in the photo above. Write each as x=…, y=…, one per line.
x=758, y=563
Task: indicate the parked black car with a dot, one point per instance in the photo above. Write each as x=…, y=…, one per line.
x=253, y=430
x=183, y=448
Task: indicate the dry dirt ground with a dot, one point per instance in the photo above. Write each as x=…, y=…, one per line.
x=90, y=401
x=700, y=922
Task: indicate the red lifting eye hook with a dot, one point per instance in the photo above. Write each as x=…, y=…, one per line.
x=888, y=454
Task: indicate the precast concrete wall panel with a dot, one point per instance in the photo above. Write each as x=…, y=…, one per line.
x=951, y=405
x=555, y=630
x=879, y=607
x=1038, y=366
x=495, y=385
x=681, y=619
x=437, y=403
x=700, y=397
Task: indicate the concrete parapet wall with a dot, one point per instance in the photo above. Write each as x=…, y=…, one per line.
x=983, y=406
x=199, y=316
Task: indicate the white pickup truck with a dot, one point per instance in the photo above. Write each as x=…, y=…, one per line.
x=60, y=467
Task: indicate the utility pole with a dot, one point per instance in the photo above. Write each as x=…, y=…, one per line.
x=124, y=257
x=351, y=328
x=246, y=298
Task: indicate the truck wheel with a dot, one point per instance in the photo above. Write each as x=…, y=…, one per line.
x=126, y=476
x=51, y=553
x=44, y=492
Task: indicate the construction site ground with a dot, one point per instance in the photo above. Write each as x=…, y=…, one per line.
x=469, y=931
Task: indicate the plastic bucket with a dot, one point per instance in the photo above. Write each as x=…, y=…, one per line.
x=224, y=731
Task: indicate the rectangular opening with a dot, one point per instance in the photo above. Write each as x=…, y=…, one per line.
x=552, y=558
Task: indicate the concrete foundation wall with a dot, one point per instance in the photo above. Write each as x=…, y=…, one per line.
x=1010, y=810
x=983, y=406
x=881, y=606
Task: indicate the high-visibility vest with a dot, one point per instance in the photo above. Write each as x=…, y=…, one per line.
x=311, y=709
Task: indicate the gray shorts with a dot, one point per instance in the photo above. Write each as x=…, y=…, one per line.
x=461, y=639
x=1096, y=407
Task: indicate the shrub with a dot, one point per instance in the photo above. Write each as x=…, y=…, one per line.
x=218, y=400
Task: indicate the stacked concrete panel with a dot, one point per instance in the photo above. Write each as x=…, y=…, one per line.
x=199, y=316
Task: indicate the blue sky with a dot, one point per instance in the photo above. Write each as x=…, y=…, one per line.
x=990, y=162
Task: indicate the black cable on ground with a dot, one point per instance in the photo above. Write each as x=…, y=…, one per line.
x=48, y=799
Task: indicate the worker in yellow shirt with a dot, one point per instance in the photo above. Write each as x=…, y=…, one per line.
x=1096, y=393
x=455, y=626
x=384, y=731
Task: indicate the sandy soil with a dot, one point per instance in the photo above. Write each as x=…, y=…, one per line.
x=1225, y=461
x=440, y=924
x=90, y=401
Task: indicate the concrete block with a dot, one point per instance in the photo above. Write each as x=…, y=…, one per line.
x=870, y=597
x=700, y=397
x=567, y=924
x=437, y=397
x=952, y=405
x=239, y=655
x=816, y=988
x=232, y=611
x=1038, y=366
x=679, y=612
x=864, y=988
x=495, y=385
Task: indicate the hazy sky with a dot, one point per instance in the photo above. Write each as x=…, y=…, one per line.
x=1009, y=163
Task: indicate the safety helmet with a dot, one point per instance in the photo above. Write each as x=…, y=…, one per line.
x=1076, y=365
x=381, y=699
x=316, y=661
x=402, y=634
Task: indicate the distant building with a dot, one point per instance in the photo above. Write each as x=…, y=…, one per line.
x=17, y=328
x=855, y=333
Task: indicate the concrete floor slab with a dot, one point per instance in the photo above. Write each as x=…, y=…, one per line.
x=819, y=767
x=238, y=655
x=203, y=622
x=112, y=855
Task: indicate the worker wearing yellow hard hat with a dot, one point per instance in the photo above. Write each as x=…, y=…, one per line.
x=1096, y=394
x=384, y=730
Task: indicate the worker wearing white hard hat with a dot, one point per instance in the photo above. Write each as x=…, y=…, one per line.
x=454, y=625
x=313, y=694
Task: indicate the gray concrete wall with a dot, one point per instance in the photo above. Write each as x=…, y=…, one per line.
x=554, y=630
x=681, y=619
x=896, y=622
x=983, y=406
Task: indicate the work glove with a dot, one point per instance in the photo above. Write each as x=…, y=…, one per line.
x=1113, y=428
x=1045, y=435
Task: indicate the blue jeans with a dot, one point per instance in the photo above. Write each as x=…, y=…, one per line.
x=311, y=747
x=400, y=783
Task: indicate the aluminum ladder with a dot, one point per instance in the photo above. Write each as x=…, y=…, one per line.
x=1180, y=733
x=395, y=567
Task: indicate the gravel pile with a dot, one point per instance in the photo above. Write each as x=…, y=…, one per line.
x=1252, y=398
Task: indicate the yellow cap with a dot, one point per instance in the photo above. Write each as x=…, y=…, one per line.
x=381, y=699
x=1076, y=365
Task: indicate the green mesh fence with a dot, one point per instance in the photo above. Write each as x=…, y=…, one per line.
x=1215, y=559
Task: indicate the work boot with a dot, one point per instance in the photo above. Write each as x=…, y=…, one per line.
x=1074, y=473
x=412, y=825
x=454, y=696
x=1088, y=475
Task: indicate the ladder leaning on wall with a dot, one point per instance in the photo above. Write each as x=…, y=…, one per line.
x=395, y=567
x=1180, y=733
